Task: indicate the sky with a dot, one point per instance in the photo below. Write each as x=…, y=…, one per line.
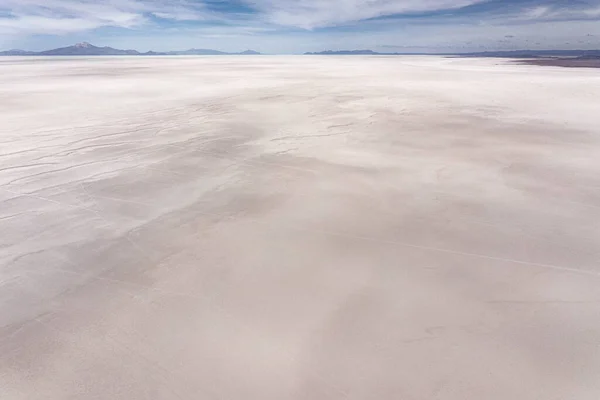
x=297, y=26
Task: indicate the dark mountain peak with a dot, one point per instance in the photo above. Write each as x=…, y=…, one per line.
x=250, y=53
x=87, y=49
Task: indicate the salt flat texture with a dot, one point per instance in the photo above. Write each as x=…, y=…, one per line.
x=298, y=228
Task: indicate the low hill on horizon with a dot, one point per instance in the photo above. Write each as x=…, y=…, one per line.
x=501, y=54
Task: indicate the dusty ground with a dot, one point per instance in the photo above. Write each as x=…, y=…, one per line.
x=298, y=228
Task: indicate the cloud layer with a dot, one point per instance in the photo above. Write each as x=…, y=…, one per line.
x=323, y=13
x=65, y=16
x=412, y=21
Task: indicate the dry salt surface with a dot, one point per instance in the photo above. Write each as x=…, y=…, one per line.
x=298, y=228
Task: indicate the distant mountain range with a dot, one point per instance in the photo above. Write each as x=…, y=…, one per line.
x=86, y=49
x=16, y=52
x=503, y=54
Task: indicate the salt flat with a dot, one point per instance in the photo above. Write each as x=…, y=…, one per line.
x=298, y=228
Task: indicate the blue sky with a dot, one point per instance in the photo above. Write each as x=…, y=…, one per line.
x=296, y=26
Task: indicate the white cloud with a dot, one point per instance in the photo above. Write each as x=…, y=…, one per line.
x=66, y=16
x=39, y=24
x=537, y=12
x=568, y=11
x=309, y=14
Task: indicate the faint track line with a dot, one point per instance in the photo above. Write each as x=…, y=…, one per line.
x=383, y=241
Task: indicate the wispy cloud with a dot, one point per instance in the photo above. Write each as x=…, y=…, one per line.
x=311, y=14
x=561, y=10
x=66, y=16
